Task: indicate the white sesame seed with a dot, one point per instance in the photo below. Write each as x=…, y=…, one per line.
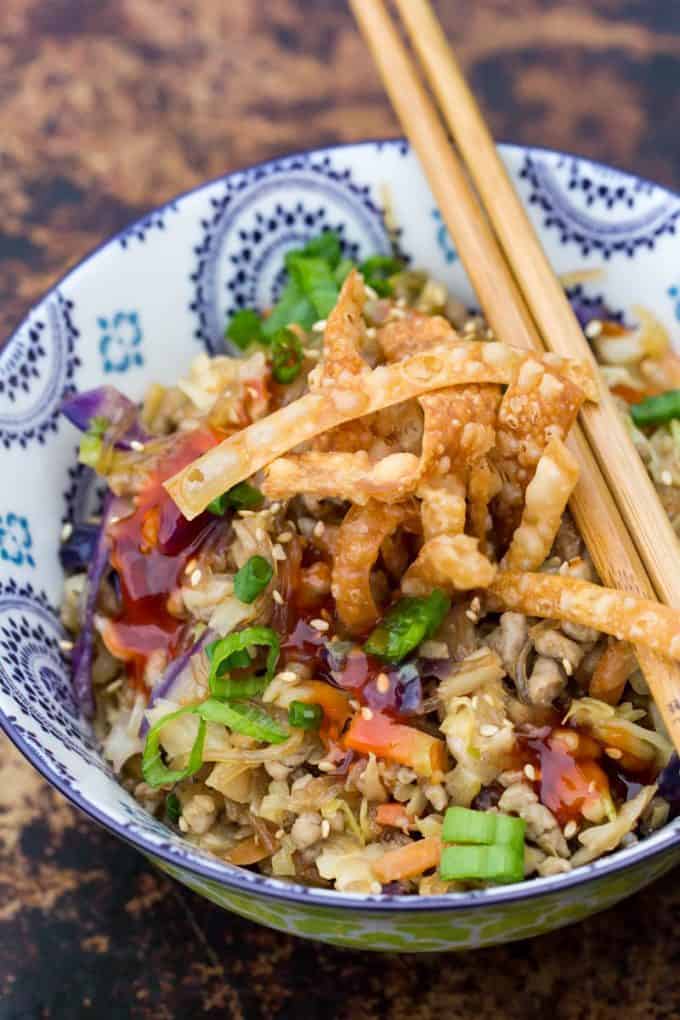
x=488, y=698
x=311, y=352
x=592, y=785
x=401, y=302
x=471, y=616
x=321, y=625
x=66, y=646
x=183, y=824
x=570, y=829
x=567, y=667
x=66, y=532
x=252, y=392
x=564, y=568
x=488, y=730
x=248, y=513
x=319, y=326
x=593, y=329
x=325, y=766
x=191, y=566
x=371, y=332
x=136, y=445
x=259, y=534
x=613, y=752
x=319, y=529
x=397, y=313
x=279, y=834
x=196, y=577
x=366, y=713
x=475, y=701
x=325, y=829
x=382, y=682
x=285, y=536
x=354, y=704
x=475, y=605
x=114, y=520
x=287, y=676
x=530, y=772
x=277, y=596
x=370, y=293
x=278, y=552
x=274, y=508
x=666, y=478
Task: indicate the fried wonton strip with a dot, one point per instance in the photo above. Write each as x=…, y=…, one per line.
x=251, y=449
x=360, y=536
x=344, y=336
x=612, y=671
x=350, y=476
x=459, y=422
x=541, y=403
x=557, y=597
x=414, y=332
x=484, y=484
x=546, y=497
x=442, y=509
x=452, y=562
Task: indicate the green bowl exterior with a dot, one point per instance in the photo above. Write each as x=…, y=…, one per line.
x=440, y=930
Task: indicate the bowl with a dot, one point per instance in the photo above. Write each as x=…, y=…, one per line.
x=138, y=309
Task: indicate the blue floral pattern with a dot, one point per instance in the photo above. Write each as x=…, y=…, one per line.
x=120, y=341
x=443, y=238
x=15, y=540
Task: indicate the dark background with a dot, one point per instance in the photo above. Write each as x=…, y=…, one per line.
x=107, y=108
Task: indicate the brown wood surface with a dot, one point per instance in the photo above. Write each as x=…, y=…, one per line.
x=108, y=107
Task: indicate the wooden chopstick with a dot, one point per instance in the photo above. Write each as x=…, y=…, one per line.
x=612, y=445
x=597, y=516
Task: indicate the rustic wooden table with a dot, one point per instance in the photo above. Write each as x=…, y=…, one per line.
x=109, y=107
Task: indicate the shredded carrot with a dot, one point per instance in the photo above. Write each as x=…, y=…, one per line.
x=379, y=734
x=408, y=861
x=335, y=707
x=393, y=815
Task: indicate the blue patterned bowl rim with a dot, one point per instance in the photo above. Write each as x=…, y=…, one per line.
x=243, y=881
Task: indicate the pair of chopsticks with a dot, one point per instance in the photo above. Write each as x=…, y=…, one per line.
x=525, y=305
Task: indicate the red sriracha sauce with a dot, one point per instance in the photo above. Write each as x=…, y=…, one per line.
x=150, y=550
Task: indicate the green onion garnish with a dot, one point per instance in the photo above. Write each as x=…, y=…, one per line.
x=377, y=271
x=245, y=717
x=154, y=770
x=463, y=825
x=499, y=863
x=245, y=328
x=173, y=808
x=242, y=496
x=287, y=356
x=305, y=716
x=229, y=653
x=657, y=410
x=406, y=624
x=252, y=578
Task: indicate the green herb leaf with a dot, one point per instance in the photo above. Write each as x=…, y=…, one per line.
x=326, y=246
x=242, y=496
x=244, y=717
x=292, y=307
x=657, y=410
x=305, y=716
x=287, y=356
x=406, y=624
x=252, y=578
x=154, y=770
x=245, y=328
x=173, y=808
x=316, y=281
x=377, y=271
x=227, y=654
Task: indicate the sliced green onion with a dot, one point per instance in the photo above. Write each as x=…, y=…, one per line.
x=287, y=356
x=245, y=328
x=244, y=717
x=227, y=653
x=173, y=808
x=252, y=578
x=154, y=770
x=482, y=863
x=305, y=716
x=242, y=496
x=406, y=624
x=377, y=271
x=463, y=825
x=657, y=410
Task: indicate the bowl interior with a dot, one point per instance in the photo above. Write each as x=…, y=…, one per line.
x=144, y=304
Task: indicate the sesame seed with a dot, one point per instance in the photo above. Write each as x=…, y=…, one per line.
x=397, y=313
x=66, y=646
x=252, y=392
x=593, y=329
x=196, y=577
x=66, y=532
x=370, y=293
x=471, y=616
x=325, y=829
x=278, y=552
x=277, y=596
x=319, y=326
x=475, y=701
x=311, y=352
x=401, y=302
x=285, y=536
x=319, y=529
x=114, y=520
x=567, y=667
x=321, y=625
x=592, y=785
x=666, y=478
x=371, y=332
x=564, y=568
x=613, y=752
x=488, y=698
x=259, y=534
x=279, y=834
x=182, y=824
x=488, y=730
x=325, y=766
x=366, y=713
x=570, y=829
x=248, y=513
x=191, y=566
x=354, y=704
x=274, y=508
x=287, y=676
x=475, y=605
x=382, y=682
x=530, y=772
x=136, y=445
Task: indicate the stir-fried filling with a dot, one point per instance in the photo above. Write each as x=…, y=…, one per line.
x=337, y=623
